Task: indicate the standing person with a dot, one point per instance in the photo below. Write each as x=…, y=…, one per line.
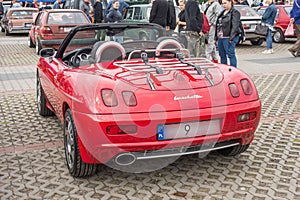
x=15, y=4
x=98, y=12
x=268, y=18
x=171, y=18
x=181, y=16
x=211, y=10
x=159, y=12
x=36, y=4
x=194, y=34
x=1, y=9
x=227, y=32
x=181, y=23
x=57, y=4
x=295, y=18
x=122, y=8
x=85, y=7
x=115, y=16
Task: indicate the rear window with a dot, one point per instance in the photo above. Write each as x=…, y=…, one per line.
x=67, y=18
x=22, y=14
x=246, y=11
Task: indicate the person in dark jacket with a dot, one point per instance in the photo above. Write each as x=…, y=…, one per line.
x=1, y=9
x=295, y=18
x=159, y=12
x=122, y=8
x=57, y=4
x=227, y=32
x=268, y=19
x=98, y=11
x=194, y=34
x=115, y=16
x=171, y=16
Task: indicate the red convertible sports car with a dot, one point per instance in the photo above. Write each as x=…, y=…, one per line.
x=123, y=100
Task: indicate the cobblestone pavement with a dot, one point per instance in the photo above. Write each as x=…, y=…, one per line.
x=32, y=163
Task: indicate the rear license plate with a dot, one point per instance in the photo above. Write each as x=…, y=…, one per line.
x=188, y=129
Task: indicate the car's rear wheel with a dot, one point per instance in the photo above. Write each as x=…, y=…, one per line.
x=41, y=100
x=278, y=36
x=257, y=41
x=235, y=150
x=38, y=46
x=30, y=43
x=76, y=166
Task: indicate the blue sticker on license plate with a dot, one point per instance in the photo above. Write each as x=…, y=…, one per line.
x=160, y=132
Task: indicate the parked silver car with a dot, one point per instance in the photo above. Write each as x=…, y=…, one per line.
x=250, y=19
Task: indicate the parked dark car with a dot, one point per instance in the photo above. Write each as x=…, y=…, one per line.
x=282, y=21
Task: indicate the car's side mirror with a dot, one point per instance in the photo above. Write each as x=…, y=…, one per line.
x=47, y=52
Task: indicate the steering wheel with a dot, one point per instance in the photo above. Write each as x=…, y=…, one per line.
x=75, y=60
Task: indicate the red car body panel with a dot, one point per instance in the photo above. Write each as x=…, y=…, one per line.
x=80, y=89
x=126, y=101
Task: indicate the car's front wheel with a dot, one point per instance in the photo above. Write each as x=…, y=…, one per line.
x=38, y=46
x=235, y=150
x=41, y=100
x=76, y=166
x=258, y=41
x=30, y=43
x=6, y=32
x=278, y=36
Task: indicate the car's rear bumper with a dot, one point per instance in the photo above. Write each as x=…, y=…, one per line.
x=51, y=42
x=97, y=146
x=19, y=29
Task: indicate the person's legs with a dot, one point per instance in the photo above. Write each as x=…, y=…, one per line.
x=295, y=49
x=231, y=51
x=222, y=49
x=211, y=47
x=193, y=42
x=269, y=39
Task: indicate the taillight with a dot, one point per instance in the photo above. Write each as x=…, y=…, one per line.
x=46, y=30
x=246, y=116
x=121, y=129
x=129, y=98
x=246, y=87
x=109, y=97
x=234, y=90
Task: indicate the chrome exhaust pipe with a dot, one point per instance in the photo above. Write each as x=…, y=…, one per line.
x=125, y=159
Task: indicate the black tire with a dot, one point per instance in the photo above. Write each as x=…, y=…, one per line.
x=30, y=43
x=2, y=29
x=38, y=46
x=278, y=36
x=233, y=151
x=6, y=32
x=41, y=100
x=258, y=41
x=77, y=168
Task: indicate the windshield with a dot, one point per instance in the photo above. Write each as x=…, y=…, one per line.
x=67, y=18
x=130, y=37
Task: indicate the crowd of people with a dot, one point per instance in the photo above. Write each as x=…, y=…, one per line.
x=224, y=21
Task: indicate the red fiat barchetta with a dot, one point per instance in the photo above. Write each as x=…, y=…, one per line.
x=123, y=100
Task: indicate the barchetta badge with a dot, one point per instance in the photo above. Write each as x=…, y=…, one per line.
x=195, y=96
